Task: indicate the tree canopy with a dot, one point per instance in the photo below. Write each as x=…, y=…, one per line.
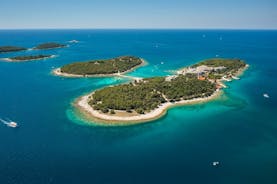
x=108, y=66
x=11, y=49
x=50, y=45
x=25, y=58
x=148, y=94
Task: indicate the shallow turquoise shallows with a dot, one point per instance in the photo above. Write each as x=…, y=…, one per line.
x=53, y=143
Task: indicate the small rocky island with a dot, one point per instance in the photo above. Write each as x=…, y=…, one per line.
x=147, y=99
x=4, y=49
x=50, y=45
x=28, y=58
x=112, y=66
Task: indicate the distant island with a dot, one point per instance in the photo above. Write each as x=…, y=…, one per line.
x=50, y=45
x=4, y=49
x=28, y=58
x=106, y=67
x=148, y=99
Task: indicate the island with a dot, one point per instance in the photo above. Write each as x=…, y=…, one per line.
x=50, y=45
x=148, y=99
x=4, y=49
x=94, y=68
x=28, y=58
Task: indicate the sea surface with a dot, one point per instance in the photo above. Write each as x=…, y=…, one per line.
x=54, y=144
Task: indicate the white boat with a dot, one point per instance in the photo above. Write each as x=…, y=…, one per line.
x=9, y=123
x=73, y=41
x=266, y=95
x=236, y=78
x=221, y=84
x=12, y=124
x=223, y=78
x=216, y=163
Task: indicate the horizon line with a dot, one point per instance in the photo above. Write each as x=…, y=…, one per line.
x=247, y=29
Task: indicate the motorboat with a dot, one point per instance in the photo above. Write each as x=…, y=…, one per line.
x=216, y=163
x=73, y=41
x=9, y=123
x=266, y=95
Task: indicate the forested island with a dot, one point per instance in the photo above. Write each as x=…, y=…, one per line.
x=148, y=94
x=100, y=67
x=4, y=49
x=29, y=58
x=147, y=99
x=50, y=45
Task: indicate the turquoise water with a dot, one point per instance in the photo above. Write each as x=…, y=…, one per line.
x=54, y=145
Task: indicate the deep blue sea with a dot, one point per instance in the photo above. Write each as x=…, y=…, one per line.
x=55, y=145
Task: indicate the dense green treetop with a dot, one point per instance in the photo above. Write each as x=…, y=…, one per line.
x=50, y=45
x=11, y=49
x=148, y=94
x=24, y=58
x=108, y=66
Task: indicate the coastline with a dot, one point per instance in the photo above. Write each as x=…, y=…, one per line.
x=112, y=120
x=57, y=72
x=125, y=119
x=242, y=70
x=17, y=61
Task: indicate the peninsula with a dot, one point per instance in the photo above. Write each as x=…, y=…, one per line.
x=28, y=58
x=50, y=45
x=4, y=49
x=148, y=99
x=96, y=68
